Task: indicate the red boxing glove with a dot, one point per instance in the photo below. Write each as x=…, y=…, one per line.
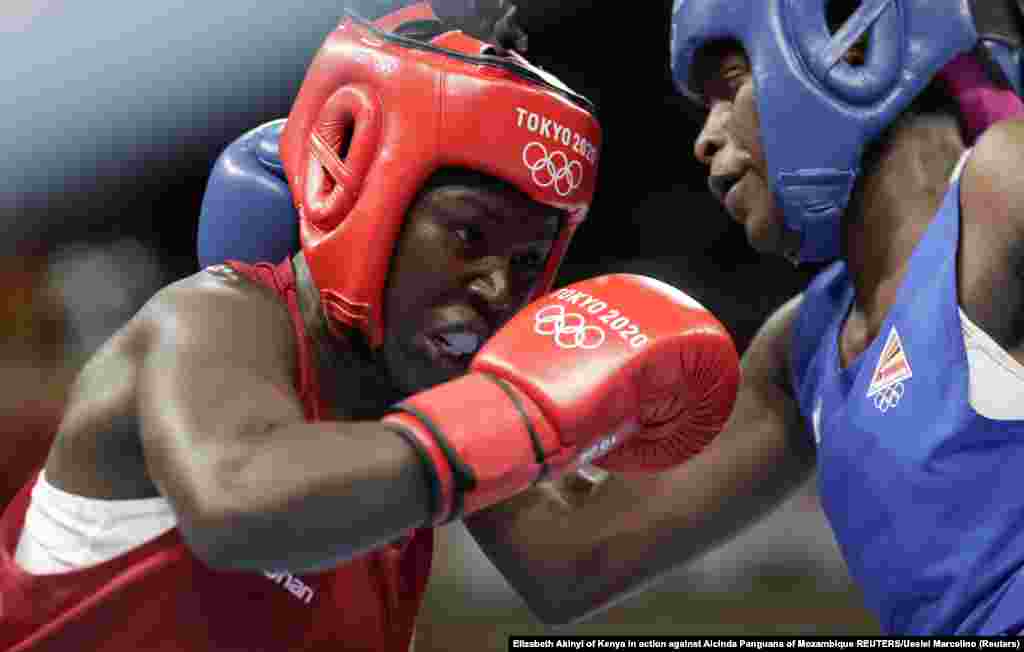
x=622, y=369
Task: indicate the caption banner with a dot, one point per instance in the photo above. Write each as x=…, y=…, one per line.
x=755, y=643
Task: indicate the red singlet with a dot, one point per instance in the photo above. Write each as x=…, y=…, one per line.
x=161, y=598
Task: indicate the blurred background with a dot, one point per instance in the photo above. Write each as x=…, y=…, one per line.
x=113, y=114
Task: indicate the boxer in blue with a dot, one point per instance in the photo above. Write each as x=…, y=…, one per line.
x=881, y=135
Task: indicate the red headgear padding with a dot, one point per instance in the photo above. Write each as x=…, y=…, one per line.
x=379, y=113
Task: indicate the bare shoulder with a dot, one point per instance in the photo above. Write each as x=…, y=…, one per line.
x=997, y=155
x=220, y=309
x=216, y=290
x=214, y=315
x=991, y=191
x=992, y=233
x=186, y=329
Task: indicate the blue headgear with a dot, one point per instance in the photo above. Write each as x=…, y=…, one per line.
x=807, y=93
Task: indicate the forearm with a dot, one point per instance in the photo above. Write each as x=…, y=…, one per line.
x=571, y=552
x=310, y=495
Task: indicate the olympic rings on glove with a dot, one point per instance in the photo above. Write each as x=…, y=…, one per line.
x=570, y=330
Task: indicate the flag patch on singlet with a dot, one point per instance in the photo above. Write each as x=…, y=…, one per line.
x=893, y=365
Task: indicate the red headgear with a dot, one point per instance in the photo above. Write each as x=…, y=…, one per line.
x=379, y=113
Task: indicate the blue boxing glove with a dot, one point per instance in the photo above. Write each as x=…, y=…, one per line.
x=247, y=212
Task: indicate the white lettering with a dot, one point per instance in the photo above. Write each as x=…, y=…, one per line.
x=617, y=322
x=292, y=584
x=545, y=127
x=587, y=302
x=558, y=133
x=522, y=113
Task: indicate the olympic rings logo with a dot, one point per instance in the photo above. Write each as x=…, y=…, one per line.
x=552, y=168
x=570, y=330
x=889, y=397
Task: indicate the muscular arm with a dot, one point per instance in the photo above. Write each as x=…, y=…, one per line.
x=255, y=486
x=991, y=252
x=570, y=554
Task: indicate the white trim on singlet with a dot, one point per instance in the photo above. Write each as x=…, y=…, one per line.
x=996, y=378
x=959, y=168
x=65, y=532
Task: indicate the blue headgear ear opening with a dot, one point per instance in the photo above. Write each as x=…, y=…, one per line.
x=824, y=52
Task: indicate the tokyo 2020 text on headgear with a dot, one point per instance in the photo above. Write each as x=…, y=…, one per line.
x=378, y=113
x=819, y=112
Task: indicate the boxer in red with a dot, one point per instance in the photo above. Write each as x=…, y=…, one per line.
x=257, y=459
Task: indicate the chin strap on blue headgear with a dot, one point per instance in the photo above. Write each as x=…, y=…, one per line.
x=808, y=94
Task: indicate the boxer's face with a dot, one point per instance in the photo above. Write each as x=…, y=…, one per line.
x=467, y=260
x=730, y=145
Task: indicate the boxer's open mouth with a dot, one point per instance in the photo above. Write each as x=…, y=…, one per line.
x=459, y=343
x=721, y=184
x=456, y=346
